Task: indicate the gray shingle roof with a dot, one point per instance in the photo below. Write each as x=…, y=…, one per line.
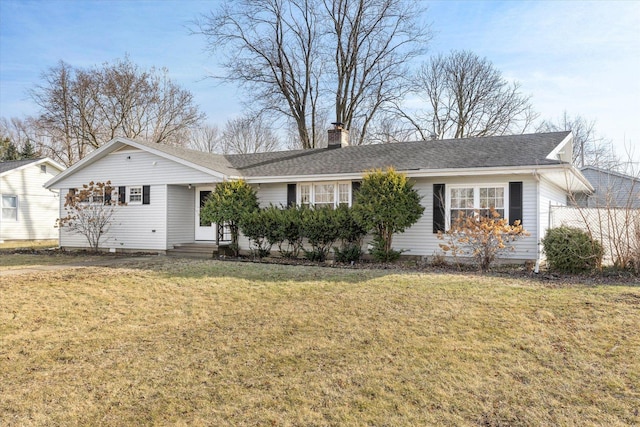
x=497, y=151
x=216, y=162
x=14, y=164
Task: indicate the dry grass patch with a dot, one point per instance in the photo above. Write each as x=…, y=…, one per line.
x=29, y=244
x=169, y=341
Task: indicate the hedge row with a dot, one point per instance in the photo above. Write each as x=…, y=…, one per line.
x=287, y=228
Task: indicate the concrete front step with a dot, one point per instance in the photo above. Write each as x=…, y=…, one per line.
x=194, y=250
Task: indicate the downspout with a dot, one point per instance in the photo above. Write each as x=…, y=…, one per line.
x=536, y=177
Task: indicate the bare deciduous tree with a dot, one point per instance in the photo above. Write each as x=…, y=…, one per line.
x=374, y=42
x=89, y=212
x=271, y=49
x=21, y=134
x=298, y=58
x=248, y=135
x=206, y=138
x=466, y=96
x=589, y=148
x=81, y=109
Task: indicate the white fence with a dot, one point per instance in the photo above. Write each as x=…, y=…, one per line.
x=616, y=228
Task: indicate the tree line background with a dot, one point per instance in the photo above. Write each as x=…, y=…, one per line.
x=300, y=65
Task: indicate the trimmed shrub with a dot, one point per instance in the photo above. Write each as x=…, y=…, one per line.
x=572, y=250
x=350, y=234
x=286, y=232
x=321, y=228
x=257, y=226
x=386, y=204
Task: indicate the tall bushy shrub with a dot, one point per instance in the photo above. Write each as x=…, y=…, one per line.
x=386, y=204
x=227, y=204
x=572, y=250
x=350, y=234
x=321, y=228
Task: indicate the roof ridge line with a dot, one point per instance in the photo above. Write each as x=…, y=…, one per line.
x=298, y=154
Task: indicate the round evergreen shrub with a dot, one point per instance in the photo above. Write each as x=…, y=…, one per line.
x=572, y=250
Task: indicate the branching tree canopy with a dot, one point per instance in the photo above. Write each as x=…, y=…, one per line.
x=466, y=96
x=81, y=109
x=245, y=135
x=298, y=58
x=206, y=138
x=17, y=140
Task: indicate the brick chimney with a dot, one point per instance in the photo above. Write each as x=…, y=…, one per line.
x=338, y=136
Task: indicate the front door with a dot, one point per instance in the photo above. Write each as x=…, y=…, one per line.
x=204, y=231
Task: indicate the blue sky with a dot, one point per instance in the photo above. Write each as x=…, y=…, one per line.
x=578, y=56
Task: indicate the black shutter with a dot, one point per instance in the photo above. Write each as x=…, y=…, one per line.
x=291, y=195
x=122, y=194
x=515, y=202
x=355, y=187
x=438, y=208
x=146, y=198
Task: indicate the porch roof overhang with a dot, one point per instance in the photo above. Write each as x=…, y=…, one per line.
x=563, y=175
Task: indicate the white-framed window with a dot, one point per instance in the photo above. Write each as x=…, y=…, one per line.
x=324, y=195
x=320, y=194
x=467, y=200
x=9, y=208
x=344, y=193
x=135, y=195
x=305, y=194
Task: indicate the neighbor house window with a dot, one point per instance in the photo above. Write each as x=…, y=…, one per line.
x=324, y=194
x=43, y=168
x=135, y=195
x=465, y=201
x=10, y=208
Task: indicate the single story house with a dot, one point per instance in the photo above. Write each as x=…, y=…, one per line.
x=28, y=210
x=164, y=186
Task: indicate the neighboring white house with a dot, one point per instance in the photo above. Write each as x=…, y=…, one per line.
x=29, y=211
x=164, y=186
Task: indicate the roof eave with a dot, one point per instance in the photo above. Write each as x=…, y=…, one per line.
x=116, y=143
x=411, y=173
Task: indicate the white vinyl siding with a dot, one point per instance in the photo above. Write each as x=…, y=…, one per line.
x=274, y=194
x=180, y=215
x=550, y=195
x=9, y=208
x=134, y=227
x=419, y=240
x=135, y=167
x=37, y=208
